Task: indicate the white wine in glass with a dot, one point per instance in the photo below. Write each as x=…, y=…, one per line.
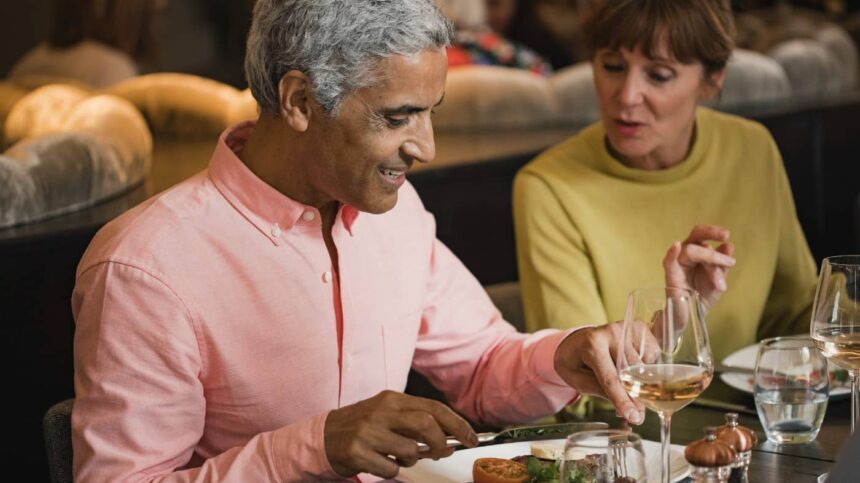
x=835, y=326
x=664, y=356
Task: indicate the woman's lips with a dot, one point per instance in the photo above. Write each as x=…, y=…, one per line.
x=628, y=128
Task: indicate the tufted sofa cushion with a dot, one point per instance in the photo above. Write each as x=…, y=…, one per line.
x=95, y=148
x=574, y=88
x=179, y=104
x=490, y=97
x=812, y=69
x=753, y=78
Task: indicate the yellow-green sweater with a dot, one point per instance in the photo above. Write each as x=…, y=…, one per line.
x=590, y=229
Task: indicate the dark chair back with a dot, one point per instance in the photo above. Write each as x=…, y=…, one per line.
x=57, y=426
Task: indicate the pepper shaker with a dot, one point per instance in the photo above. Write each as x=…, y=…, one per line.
x=741, y=440
x=710, y=459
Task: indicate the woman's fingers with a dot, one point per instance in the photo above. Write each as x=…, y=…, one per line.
x=692, y=255
x=703, y=233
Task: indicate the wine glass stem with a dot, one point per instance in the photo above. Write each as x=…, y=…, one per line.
x=855, y=408
x=665, y=440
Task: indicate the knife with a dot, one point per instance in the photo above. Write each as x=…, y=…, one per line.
x=544, y=431
x=722, y=369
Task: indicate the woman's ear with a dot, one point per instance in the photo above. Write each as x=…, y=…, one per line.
x=294, y=91
x=713, y=84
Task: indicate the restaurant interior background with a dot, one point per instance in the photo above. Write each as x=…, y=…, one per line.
x=795, y=74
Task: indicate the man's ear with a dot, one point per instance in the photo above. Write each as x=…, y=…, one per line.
x=294, y=91
x=713, y=85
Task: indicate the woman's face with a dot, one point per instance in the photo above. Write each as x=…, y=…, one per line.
x=648, y=105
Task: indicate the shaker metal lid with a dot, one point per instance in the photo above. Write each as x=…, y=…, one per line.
x=740, y=438
x=710, y=451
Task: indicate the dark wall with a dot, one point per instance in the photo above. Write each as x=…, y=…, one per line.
x=24, y=24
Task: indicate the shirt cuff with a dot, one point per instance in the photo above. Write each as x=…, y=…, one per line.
x=299, y=451
x=546, y=356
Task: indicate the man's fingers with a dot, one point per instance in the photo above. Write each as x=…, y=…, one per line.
x=422, y=426
x=703, y=233
x=450, y=422
x=696, y=254
x=602, y=366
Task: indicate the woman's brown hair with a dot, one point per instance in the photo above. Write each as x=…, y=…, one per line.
x=695, y=30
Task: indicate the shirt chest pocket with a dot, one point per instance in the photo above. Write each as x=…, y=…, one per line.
x=399, y=335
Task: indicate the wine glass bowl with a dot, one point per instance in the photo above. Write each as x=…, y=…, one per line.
x=835, y=325
x=664, y=357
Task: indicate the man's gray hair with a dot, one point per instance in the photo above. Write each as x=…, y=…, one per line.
x=336, y=43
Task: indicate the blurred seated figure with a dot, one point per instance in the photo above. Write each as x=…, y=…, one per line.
x=520, y=21
x=593, y=213
x=476, y=44
x=92, y=42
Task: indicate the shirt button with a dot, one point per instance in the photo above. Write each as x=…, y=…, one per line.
x=327, y=277
x=276, y=231
x=308, y=216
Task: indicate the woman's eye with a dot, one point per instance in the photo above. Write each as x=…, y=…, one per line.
x=610, y=67
x=660, y=77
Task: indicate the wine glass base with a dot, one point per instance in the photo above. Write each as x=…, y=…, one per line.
x=822, y=478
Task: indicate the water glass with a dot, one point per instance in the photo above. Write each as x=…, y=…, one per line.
x=603, y=456
x=791, y=389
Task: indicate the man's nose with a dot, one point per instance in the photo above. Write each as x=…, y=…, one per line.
x=421, y=144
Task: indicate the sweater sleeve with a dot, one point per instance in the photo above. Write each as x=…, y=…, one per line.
x=556, y=272
x=789, y=305
x=140, y=405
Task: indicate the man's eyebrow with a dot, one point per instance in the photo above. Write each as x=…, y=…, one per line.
x=406, y=109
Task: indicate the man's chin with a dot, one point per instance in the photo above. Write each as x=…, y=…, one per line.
x=379, y=206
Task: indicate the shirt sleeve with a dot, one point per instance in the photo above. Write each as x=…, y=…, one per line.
x=140, y=405
x=556, y=274
x=488, y=371
x=788, y=309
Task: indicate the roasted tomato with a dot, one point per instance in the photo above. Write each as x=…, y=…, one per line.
x=498, y=470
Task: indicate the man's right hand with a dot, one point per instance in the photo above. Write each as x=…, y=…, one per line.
x=381, y=434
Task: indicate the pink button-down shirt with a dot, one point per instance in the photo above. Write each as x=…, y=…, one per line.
x=213, y=336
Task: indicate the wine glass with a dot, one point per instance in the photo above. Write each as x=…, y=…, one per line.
x=603, y=456
x=664, y=357
x=835, y=326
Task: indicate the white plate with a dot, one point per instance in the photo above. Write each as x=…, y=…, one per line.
x=745, y=358
x=457, y=468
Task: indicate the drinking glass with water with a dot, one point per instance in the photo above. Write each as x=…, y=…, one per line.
x=792, y=386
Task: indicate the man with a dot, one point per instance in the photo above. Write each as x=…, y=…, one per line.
x=258, y=321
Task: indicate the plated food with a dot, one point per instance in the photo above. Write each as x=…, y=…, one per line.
x=542, y=466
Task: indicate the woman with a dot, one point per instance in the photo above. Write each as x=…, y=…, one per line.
x=593, y=213
x=93, y=42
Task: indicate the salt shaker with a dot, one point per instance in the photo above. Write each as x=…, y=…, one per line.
x=710, y=459
x=741, y=440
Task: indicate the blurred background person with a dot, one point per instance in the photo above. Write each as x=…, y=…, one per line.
x=476, y=44
x=520, y=21
x=592, y=213
x=93, y=42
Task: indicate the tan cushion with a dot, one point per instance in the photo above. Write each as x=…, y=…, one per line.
x=243, y=108
x=488, y=97
x=841, y=45
x=574, y=89
x=9, y=96
x=42, y=111
x=179, y=104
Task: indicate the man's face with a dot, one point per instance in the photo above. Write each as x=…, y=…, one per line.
x=362, y=154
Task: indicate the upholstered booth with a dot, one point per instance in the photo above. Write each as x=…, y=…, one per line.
x=180, y=105
x=811, y=68
x=574, y=89
x=753, y=78
x=488, y=97
x=70, y=150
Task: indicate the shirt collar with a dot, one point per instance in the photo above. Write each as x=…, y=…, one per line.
x=269, y=210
